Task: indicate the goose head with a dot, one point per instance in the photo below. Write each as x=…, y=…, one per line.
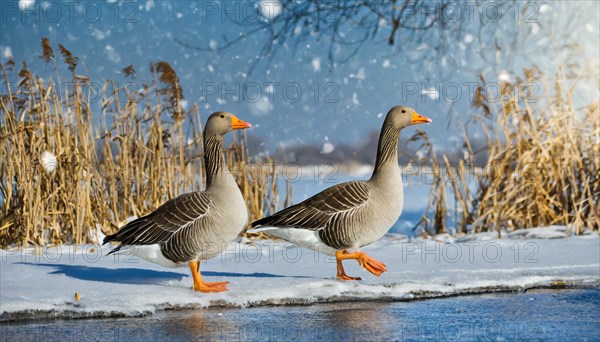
x=221, y=123
x=402, y=117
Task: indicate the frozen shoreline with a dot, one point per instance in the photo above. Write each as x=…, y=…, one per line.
x=276, y=273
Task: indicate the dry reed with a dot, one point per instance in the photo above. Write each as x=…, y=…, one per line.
x=543, y=166
x=66, y=171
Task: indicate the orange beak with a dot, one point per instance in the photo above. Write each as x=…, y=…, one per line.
x=239, y=124
x=419, y=119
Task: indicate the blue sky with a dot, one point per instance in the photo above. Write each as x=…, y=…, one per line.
x=298, y=97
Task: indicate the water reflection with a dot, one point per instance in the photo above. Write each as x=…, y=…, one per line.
x=340, y=321
x=556, y=315
x=355, y=322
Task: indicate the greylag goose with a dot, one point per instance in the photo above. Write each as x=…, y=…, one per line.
x=345, y=217
x=195, y=226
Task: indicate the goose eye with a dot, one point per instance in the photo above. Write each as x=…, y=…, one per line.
x=222, y=116
x=403, y=111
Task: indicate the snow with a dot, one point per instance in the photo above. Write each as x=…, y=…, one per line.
x=552, y=232
x=48, y=161
x=431, y=92
x=184, y=104
x=270, y=89
x=277, y=273
x=261, y=107
x=298, y=30
x=270, y=9
x=589, y=28
x=504, y=76
x=327, y=148
x=149, y=5
x=411, y=59
x=8, y=53
x=545, y=8
x=100, y=34
x=26, y=4
x=112, y=54
x=361, y=74
x=355, y=100
x=316, y=64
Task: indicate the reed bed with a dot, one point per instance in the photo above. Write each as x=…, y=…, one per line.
x=70, y=165
x=543, y=165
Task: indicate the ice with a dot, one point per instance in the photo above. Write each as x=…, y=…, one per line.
x=277, y=273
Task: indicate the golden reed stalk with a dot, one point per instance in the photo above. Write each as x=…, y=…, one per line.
x=543, y=165
x=64, y=173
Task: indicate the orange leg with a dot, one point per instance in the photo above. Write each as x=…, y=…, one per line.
x=363, y=260
x=341, y=274
x=203, y=286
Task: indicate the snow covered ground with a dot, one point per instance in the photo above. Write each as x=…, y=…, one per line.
x=276, y=273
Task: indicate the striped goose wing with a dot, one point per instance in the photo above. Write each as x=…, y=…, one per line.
x=160, y=225
x=316, y=212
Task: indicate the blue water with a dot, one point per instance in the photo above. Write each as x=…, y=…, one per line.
x=565, y=315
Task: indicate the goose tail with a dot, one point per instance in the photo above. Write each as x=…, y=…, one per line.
x=304, y=238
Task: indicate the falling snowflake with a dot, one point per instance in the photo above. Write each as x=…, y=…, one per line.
x=327, y=148
x=504, y=76
x=270, y=9
x=26, y=4
x=48, y=161
x=432, y=93
x=316, y=64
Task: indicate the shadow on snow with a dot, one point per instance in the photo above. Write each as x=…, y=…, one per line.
x=137, y=275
